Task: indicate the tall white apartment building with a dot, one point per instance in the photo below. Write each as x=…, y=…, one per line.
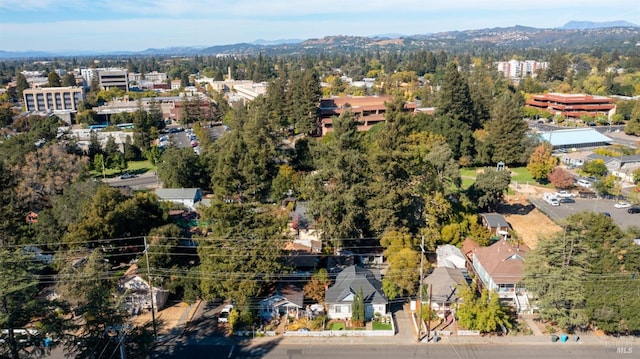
x=516, y=70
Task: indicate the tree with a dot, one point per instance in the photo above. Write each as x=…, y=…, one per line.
x=454, y=100
x=608, y=185
x=92, y=289
x=243, y=239
x=507, y=131
x=541, y=162
x=21, y=84
x=488, y=189
x=404, y=264
x=595, y=168
x=339, y=190
x=317, y=286
x=53, y=79
x=554, y=273
x=69, y=80
x=561, y=178
x=482, y=313
x=179, y=168
x=6, y=115
x=21, y=308
x=357, y=309
x=47, y=172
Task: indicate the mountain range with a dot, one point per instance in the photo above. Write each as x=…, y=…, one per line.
x=572, y=34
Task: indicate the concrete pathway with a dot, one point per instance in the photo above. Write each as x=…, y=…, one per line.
x=532, y=324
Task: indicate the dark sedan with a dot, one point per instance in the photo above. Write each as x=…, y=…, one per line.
x=634, y=209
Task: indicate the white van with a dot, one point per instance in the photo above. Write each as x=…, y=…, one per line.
x=551, y=198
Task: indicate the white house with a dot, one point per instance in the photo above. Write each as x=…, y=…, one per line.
x=339, y=297
x=187, y=197
x=450, y=257
x=137, y=296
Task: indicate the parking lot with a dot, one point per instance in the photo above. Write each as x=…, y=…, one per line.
x=599, y=205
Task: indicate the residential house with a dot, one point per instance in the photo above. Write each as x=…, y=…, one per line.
x=467, y=249
x=138, y=294
x=622, y=167
x=443, y=285
x=496, y=224
x=187, y=197
x=450, y=256
x=303, y=227
x=500, y=267
x=286, y=302
x=349, y=282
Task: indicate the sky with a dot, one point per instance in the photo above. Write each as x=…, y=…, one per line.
x=136, y=25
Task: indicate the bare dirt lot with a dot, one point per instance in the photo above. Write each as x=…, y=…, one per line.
x=526, y=220
x=169, y=317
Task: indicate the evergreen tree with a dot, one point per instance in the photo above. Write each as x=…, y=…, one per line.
x=507, y=131
x=20, y=307
x=454, y=100
x=53, y=79
x=357, y=309
x=21, y=84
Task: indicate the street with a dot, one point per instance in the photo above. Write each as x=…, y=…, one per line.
x=280, y=348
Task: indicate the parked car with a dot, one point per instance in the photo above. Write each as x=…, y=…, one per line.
x=127, y=176
x=565, y=194
x=566, y=200
x=224, y=313
x=634, y=209
x=622, y=205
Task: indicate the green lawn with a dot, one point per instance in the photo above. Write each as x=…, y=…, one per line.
x=519, y=174
x=135, y=167
x=381, y=326
x=338, y=326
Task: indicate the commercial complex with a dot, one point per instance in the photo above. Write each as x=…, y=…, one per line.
x=368, y=110
x=52, y=99
x=573, y=105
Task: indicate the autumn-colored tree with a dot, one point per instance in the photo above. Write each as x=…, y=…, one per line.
x=560, y=178
x=541, y=162
x=404, y=264
x=317, y=286
x=47, y=172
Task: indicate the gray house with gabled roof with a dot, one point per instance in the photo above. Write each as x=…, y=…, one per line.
x=187, y=197
x=339, y=297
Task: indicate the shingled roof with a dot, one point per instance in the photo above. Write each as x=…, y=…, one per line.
x=350, y=281
x=502, y=261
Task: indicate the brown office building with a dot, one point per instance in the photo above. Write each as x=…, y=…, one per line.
x=368, y=110
x=573, y=105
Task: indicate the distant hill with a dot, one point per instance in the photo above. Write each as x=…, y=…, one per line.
x=582, y=25
x=573, y=35
x=276, y=42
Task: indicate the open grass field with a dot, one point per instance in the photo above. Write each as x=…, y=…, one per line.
x=519, y=175
x=134, y=167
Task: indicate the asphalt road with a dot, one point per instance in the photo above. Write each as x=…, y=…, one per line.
x=278, y=349
x=599, y=205
x=145, y=180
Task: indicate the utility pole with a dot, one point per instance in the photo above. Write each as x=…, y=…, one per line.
x=153, y=310
x=429, y=316
x=420, y=293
